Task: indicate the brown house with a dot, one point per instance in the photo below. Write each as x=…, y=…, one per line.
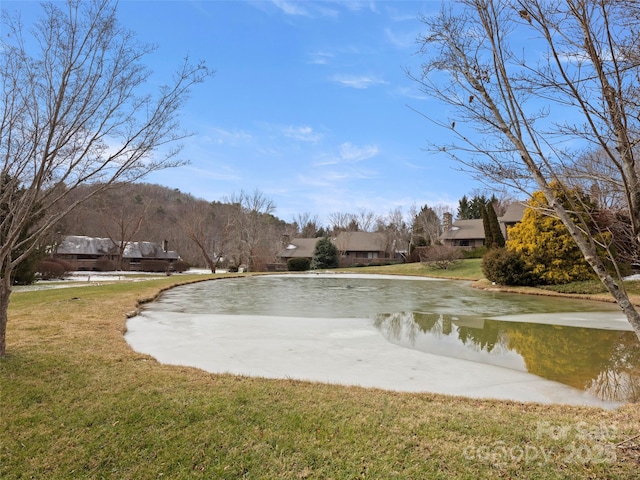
x=470, y=233
x=89, y=253
x=353, y=247
x=297, y=248
x=362, y=248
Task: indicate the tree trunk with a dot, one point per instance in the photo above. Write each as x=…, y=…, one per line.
x=5, y=292
x=590, y=254
x=210, y=263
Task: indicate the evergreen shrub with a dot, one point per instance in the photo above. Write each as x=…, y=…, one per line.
x=105, y=265
x=154, y=265
x=49, y=269
x=180, y=266
x=298, y=264
x=65, y=265
x=507, y=267
x=325, y=255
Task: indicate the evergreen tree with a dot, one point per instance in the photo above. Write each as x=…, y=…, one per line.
x=472, y=209
x=548, y=249
x=497, y=238
x=464, y=208
x=325, y=255
x=488, y=233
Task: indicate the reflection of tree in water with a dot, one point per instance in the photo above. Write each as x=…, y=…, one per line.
x=620, y=379
x=486, y=338
x=570, y=355
x=429, y=322
x=397, y=326
x=604, y=363
x=407, y=325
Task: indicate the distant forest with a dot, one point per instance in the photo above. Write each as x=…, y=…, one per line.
x=240, y=231
x=197, y=229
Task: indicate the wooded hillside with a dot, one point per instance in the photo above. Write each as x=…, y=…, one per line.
x=194, y=227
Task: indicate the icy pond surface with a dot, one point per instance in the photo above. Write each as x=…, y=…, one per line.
x=397, y=333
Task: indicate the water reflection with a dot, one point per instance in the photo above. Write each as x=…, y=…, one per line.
x=605, y=363
x=442, y=317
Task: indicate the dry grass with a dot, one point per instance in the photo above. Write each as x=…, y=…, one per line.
x=77, y=402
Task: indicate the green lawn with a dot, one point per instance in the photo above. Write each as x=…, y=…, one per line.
x=468, y=269
x=77, y=402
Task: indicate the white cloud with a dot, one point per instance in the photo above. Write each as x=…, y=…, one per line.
x=291, y=8
x=357, y=6
x=229, y=137
x=351, y=153
x=348, y=153
x=304, y=9
x=320, y=58
x=402, y=40
x=302, y=133
x=357, y=81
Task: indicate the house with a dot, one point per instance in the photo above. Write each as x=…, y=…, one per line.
x=297, y=248
x=513, y=215
x=470, y=233
x=353, y=248
x=362, y=248
x=463, y=233
x=92, y=254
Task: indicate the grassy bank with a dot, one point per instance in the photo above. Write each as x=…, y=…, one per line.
x=77, y=402
x=469, y=269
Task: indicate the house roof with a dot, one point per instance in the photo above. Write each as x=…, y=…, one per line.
x=474, y=229
x=81, y=245
x=299, y=248
x=465, y=229
x=345, y=242
x=514, y=213
x=360, y=242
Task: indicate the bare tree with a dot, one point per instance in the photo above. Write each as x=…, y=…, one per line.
x=199, y=222
x=307, y=225
x=121, y=221
x=342, y=222
x=593, y=173
x=536, y=113
x=397, y=232
x=251, y=221
x=76, y=110
x=366, y=219
x=426, y=225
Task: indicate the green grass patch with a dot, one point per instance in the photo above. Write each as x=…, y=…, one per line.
x=467, y=269
x=77, y=402
x=586, y=287
x=594, y=287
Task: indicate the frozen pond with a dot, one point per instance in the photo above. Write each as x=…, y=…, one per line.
x=397, y=333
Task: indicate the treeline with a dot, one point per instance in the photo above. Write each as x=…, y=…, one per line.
x=205, y=234
x=241, y=230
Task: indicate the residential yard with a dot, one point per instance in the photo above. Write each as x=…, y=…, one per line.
x=77, y=402
x=471, y=269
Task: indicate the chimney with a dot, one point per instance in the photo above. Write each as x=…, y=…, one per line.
x=165, y=246
x=447, y=221
x=285, y=240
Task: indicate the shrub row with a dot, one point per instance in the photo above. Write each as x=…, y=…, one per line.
x=298, y=264
x=507, y=267
x=52, y=268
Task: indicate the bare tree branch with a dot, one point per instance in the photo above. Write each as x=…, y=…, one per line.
x=76, y=109
x=523, y=119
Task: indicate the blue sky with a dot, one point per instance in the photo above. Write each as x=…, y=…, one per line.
x=310, y=103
